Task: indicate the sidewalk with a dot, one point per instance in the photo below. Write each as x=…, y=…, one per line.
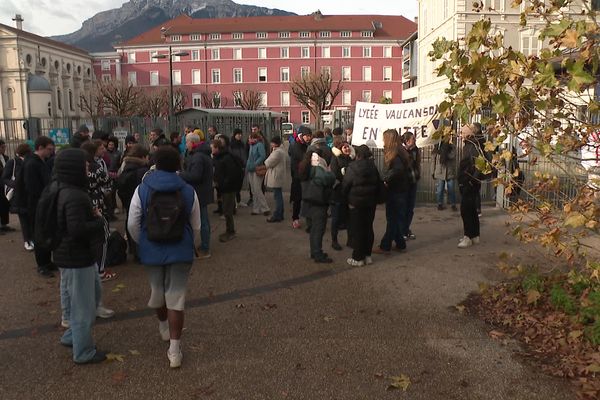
x=265, y=322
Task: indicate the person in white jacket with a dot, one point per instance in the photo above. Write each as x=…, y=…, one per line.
x=274, y=179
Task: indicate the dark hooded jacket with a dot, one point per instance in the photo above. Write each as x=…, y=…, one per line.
x=79, y=227
x=133, y=171
x=361, y=184
x=229, y=172
x=198, y=172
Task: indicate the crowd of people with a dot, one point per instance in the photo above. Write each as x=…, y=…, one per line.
x=164, y=187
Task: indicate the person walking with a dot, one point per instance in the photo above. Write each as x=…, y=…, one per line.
x=444, y=173
x=343, y=155
x=198, y=171
x=10, y=177
x=297, y=151
x=469, y=184
x=256, y=171
x=80, y=226
x=229, y=176
x=396, y=180
x=360, y=188
x=275, y=176
x=409, y=142
x=166, y=241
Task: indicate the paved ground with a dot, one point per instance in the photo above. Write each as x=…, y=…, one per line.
x=264, y=322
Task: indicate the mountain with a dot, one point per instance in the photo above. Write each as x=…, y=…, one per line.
x=137, y=16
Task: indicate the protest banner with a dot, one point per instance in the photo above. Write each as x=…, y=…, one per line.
x=372, y=119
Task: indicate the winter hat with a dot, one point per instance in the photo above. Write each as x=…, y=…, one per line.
x=130, y=139
x=69, y=167
x=200, y=134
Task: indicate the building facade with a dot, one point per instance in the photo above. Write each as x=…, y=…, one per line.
x=40, y=77
x=222, y=58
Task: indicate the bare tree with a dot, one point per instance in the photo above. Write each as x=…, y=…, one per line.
x=248, y=99
x=214, y=100
x=179, y=100
x=120, y=97
x=153, y=103
x=316, y=92
x=92, y=104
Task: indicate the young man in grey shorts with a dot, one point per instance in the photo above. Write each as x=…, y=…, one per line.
x=168, y=263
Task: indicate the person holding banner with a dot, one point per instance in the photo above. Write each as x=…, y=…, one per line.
x=396, y=162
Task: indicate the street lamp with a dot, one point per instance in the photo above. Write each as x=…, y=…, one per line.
x=170, y=56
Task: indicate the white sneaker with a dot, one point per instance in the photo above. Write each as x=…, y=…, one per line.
x=175, y=359
x=103, y=312
x=368, y=260
x=355, y=263
x=465, y=242
x=65, y=324
x=28, y=246
x=475, y=240
x=164, y=335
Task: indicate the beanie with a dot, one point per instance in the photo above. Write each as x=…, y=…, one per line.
x=69, y=167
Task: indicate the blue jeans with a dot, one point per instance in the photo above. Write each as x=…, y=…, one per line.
x=81, y=295
x=204, y=228
x=411, y=202
x=278, y=196
x=441, y=184
x=395, y=212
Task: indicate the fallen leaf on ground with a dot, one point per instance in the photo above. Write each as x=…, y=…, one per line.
x=269, y=306
x=241, y=305
x=134, y=352
x=533, y=296
x=399, y=382
x=496, y=334
x=460, y=308
x=115, y=357
x=328, y=318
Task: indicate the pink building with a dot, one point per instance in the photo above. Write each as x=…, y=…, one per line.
x=263, y=54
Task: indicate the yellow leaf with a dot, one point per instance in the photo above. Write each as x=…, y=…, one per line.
x=115, y=357
x=575, y=220
x=399, y=382
x=134, y=352
x=571, y=39
x=116, y=290
x=593, y=368
x=507, y=155
x=575, y=334
x=489, y=146
x=460, y=308
x=533, y=296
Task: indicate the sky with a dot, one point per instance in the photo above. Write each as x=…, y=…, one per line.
x=57, y=17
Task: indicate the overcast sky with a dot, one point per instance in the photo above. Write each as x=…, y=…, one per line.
x=56, y=17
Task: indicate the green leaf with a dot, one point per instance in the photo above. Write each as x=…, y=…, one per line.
x=502, y=103
x=579, y=76
x=461, y=111
x=545, y=76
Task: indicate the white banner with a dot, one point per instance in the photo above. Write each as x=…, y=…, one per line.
x=372, y=119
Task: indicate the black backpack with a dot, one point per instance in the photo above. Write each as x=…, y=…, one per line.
x=47, y=233
x=166, y=217
x=116, y=250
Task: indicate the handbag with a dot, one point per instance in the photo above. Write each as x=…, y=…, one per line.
x=9, y=191
x=260, y=170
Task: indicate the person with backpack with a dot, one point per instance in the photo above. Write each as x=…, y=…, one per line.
x=469, y=184
x=444, y=172
x=198, y=171
x=164, y=215
x=79, y=227
x=10, y=177
x=409, y=141
x=31, y=182
x=228, y=176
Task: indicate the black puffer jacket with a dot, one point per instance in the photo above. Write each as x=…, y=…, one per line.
x=34, y=177
x=361, y=184
x=396, y=176
x=229, y=173
x=339, y=164
x=198, y=172
x=469, y=177
x=296, y=152
x=131, y=176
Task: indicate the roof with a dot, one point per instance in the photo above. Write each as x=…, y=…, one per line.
x=37, y=83
x=228, y=112
x=392, y=26
x=42, y=39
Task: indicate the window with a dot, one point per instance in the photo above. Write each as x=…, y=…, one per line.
x=262, y=74
x=216, y=54
x=285, y=52
x=261, y=35
x=367, y=74
x=153, y=55
x=263, y=99
x=196, y=77
x=10, y=98
x=237, y=75
x=285, y=74
x=238, y=35
x=176, y=38
x=366, y=96
x=106, y=77
x=176, y=77
x=28, y=59
x=176, y=58
x=195, y=55
x=367, y=51
x=216, y=75
x=305, y=117
x=71, y=100
x=387, y=51
x=387, y=94
x=285, y=99
x=262, y=53
x=286, y=116
x=194, y=37
x=215, y=36
x=345, y=34
x=284, y=35
x=131, y=57
x=326, y=70
x=387, y=73
x=59, y=98
x=346, y=98
x=324, y=34
x=105, y=65
x=305, y=52
x=529, y=44
x=237, y=99
x=132, y=78
x=366, y=34
x=304, y=34
x=237, y=54
x=346, y=51
x=304, y=72
x=325, y=52
x=196, y=100
x=216, y=100
x=154, y=81
x=346, y=73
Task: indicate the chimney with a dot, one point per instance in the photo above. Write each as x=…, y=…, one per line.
x=417, y=20
x=317, y=15
x=19, y=21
